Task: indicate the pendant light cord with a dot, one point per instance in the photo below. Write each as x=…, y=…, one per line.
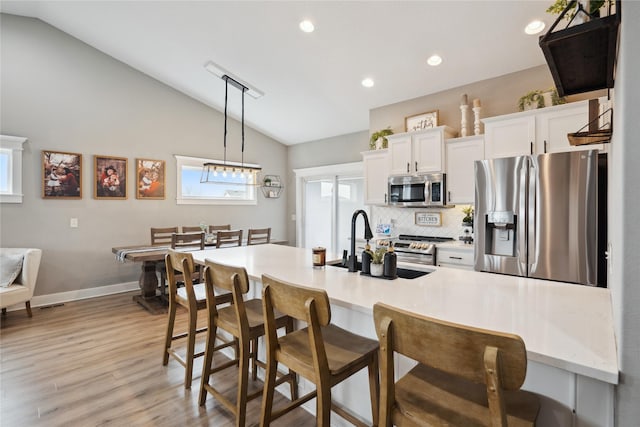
x=242, y=156
x=226, y=95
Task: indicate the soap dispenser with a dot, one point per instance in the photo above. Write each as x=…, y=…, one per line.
x=366, y=259
x=390, y=269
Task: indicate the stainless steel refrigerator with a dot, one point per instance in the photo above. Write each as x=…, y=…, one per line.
x=542, y=216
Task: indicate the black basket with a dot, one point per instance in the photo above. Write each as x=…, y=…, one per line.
x=582, y=58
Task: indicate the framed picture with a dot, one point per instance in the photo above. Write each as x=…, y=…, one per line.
x=61, y=175
x=110, y=177
x=421, y=121
x=431, y=219
x=150, y=179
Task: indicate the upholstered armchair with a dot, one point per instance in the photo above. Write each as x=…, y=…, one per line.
x=22, y=287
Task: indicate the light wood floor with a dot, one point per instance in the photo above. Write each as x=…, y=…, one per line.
x=99, y=362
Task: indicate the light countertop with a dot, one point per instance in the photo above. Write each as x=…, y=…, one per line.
x=563, y=325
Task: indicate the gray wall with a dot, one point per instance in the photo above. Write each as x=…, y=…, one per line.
x=497, y=96
x=67, y=96
x=323, y=152
x=624, y=226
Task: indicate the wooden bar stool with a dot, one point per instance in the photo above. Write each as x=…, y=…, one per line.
x=193, y=298
x=245, y=321
x=259, y=236
x=465, y=376
x=321, y=352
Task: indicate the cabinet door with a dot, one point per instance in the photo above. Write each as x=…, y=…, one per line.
x=376, y=173
x=399, y=154
x=510, y=137
x=428, y=152
x=461, y=154
x=553, y=127
x=455, y=257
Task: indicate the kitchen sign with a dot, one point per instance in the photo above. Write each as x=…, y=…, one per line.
x=431, y=219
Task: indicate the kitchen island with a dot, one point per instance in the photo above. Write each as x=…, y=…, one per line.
x=568, y=329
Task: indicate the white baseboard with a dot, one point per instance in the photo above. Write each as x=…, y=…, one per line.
x=62, y=297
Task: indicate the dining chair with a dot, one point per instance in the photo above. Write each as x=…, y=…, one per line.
x=228, y=238
x=162, y=235
x=194, y=229
x=244, y=321
x=258, y=236
x=192, y=297
x=213, y=228
x=321, y=352
x=464, y=376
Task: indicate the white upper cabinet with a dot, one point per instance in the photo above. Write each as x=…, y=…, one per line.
x=376, y=173
x=536, y=131
x=418, y=152
x=461, y=155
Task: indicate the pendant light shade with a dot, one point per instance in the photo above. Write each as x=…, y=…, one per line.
x=211, y=170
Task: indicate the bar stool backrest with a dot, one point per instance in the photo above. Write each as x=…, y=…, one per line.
x=162, y=235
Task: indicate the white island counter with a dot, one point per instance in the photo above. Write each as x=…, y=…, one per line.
x=568, y=329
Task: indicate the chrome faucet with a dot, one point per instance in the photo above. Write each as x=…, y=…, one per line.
x=352, y=262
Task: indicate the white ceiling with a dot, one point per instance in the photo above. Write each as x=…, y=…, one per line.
x=311, y=81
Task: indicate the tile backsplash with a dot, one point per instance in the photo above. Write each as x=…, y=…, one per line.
x=403, y=221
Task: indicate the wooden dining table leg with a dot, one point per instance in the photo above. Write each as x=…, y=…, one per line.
x=148, y=285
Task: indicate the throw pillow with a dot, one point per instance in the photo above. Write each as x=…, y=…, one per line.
x=10, y=267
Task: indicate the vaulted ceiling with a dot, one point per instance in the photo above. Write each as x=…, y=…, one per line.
x=311, y=81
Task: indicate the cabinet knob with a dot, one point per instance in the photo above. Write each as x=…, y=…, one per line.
x=449, y=192
x=416, y=166
x=545, y=146
x=385, y=198
x=407, y=167
x=531, y=149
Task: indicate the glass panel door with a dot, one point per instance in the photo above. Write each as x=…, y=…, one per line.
x=318, y=213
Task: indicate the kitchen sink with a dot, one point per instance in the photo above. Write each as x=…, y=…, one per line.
x=403, y=273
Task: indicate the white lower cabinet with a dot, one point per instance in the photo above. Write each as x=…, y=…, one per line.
x=459, y=256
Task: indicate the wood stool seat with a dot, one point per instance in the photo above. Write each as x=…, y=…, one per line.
x=321, y=352
x=465, y=376
x=244, y=320
x=193, y=298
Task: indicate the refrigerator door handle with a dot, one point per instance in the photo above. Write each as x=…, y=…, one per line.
x=521, y=221
x=532, y=217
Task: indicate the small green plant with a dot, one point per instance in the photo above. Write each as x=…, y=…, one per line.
x=536, y=98
x=378, y=255
x=468, y=212
x=559, y=5
x=380, y=134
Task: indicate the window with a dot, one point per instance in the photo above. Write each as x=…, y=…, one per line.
x=11, y=169
x=230, y=188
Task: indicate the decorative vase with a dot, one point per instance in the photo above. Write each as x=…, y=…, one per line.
x=379, y=143
x=376, y=269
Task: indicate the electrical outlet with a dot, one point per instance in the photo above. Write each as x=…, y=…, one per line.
x=73, y=223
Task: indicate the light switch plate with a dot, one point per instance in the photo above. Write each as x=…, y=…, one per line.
x=73, y=223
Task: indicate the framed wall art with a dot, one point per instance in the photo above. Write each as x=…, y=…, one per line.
x=61, y=175
x=431, y=219
x=150, y=179
x=110, y=177
x=421, y=121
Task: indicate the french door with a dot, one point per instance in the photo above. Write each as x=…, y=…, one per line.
x=326, y=199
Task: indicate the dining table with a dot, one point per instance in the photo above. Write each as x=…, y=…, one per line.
x=152, y=298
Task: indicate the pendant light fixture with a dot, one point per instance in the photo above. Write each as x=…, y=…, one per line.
x=210, y=170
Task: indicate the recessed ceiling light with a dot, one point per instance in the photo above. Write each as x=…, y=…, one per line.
x=434, y=60
x=534, y=27
x=367, y=82
x=307, y=26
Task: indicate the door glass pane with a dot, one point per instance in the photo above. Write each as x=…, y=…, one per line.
x=317, y=210
x=350, y=199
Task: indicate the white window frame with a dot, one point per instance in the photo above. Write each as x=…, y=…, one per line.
x=13, y=146
x=199, y=161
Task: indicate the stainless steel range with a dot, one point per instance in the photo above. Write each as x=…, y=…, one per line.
x=415, y=249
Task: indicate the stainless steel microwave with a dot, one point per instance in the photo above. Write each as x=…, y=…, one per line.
x=418, y=190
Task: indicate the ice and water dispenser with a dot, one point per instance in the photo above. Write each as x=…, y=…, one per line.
x=501, y=231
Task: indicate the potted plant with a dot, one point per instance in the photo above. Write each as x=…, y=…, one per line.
x=540, y=99
x=376, y=261
x=378, y=139
x=467, y=221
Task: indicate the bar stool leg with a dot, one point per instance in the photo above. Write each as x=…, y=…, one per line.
x=267, y=394
x=171, y=318
x=243, y=384
x=191, y=344
x=323, y=405
x=208, y=360
x=374, y=389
